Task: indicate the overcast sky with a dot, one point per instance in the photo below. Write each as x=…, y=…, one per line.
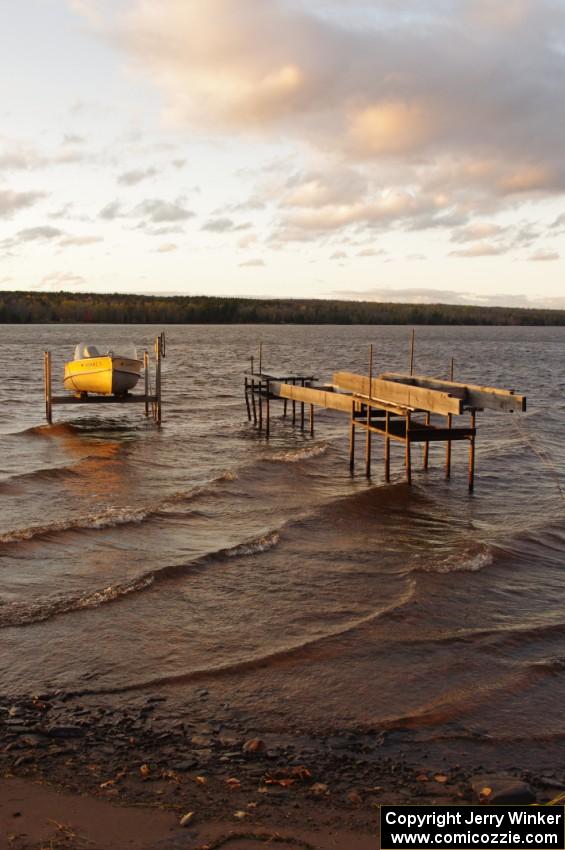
x=380, y=149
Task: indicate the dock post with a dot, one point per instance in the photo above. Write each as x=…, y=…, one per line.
x=302, y=410
x=472, y=454
x=285, y=406
x=146, y=373
x=408, y=455
x=448, y=443
x=158, y=417
x=267, y=413
x=47, y=382
x=260, y=358
x=311, y=420
x=352, y=438
x=412, y=351
x=293, y=405
x=253, y=401
x=427, y=444
x=248, y=406
x=387, y=449
x=368, y=431
x=260, y=404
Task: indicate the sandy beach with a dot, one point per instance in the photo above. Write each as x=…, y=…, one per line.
x=85, y=775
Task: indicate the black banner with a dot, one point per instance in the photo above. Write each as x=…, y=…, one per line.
x=472, y=827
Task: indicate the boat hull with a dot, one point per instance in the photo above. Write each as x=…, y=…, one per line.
x=106, y=375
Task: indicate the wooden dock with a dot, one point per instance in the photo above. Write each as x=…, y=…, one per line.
x=403, y=407
x=151, y=398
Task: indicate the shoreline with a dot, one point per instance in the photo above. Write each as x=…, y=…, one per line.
x=235, y=777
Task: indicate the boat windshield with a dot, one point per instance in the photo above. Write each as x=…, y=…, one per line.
x=123, y=349
x=84, y=350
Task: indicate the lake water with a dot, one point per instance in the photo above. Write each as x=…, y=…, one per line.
x=140, y=560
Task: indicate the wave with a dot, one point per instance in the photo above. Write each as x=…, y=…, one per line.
x=469, y=560
x=261, y=544
x=60, y=429
x=24, y=614
x=298, y=455
x=107, y=518
x=112, y=515
x=291, y=654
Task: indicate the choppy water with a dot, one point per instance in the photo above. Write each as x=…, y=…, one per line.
x=137, y=559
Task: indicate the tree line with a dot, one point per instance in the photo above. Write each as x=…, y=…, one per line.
x=73, y=308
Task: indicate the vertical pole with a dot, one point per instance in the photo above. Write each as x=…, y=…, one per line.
x=260, y=358
x=448, y=444
x=253, y=401
x=352, y=438
x=368, y=431
x=387, y=448
x=293, y=405
x=427, y=444
x=311, y=420
x=412, y=351
x=285, y=406
x=158, y=382
x=408, y=455
x=146, y=374
x=252, y=362
x=47, y=382
x=267, y=414
x=260, y=405
x=302, y=409
x=248, y=406
x=472, y=455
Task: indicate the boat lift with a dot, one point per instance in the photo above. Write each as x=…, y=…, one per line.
x=151, y=399
x=397, y=406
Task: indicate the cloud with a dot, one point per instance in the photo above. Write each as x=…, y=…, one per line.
x=544, y=256
x=426, y=295
x=61, y=280
x=111, y=211
x=224, y=225
x=73, y=139
x=158, y=211
x=338, y=255
x=476, y=231
x=79, y=241
x=428, y=115
x=480, y=249
x=11, y=202
x=33, y=234
x=166, y=248
x=370, y=252
x=252, y=264
x=385, y=87
x=132, y=178
x=247, y=240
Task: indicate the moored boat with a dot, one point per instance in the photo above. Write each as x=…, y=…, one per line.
x=111, y=373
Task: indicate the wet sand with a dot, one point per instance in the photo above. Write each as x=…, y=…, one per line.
x=80, y=774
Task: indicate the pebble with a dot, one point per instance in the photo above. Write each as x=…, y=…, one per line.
x=502, y=790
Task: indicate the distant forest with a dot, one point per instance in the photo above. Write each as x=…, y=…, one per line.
x=37, y=307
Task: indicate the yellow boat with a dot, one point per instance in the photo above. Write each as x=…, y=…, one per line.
x=101, y=374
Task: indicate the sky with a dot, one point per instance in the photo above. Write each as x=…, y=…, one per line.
x=369, y=149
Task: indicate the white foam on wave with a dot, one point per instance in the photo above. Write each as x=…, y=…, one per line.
x=254, y=547
x=107, y=518
x=467, y=561
x=23, y=614
x=298, y=455
x=112, y=515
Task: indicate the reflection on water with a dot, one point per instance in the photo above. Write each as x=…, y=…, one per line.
x=134, y=558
